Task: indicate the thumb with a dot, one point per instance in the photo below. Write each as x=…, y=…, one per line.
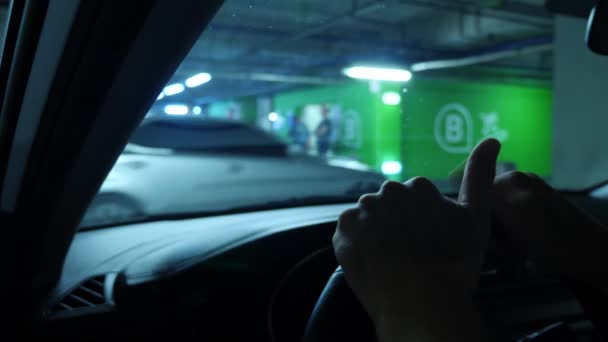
x=478, y=179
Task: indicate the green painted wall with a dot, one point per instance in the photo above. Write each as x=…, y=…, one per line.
x=519, y=116
x=248, y=109
x=432, y=114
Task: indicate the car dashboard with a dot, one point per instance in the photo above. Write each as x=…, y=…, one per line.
x=156, y=267
x=251, y=275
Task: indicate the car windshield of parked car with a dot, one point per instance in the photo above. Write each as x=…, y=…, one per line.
x=302, y=102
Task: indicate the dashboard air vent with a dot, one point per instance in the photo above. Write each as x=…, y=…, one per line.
x=90, y=293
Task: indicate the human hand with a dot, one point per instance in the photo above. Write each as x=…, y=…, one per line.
x=555, y=235
x=412, y=256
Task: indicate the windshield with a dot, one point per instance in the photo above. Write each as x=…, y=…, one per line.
x=284, y=103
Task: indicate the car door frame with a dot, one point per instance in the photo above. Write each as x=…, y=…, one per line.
x=68, y=107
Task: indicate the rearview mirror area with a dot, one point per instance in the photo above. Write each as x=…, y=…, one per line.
x=597, y=29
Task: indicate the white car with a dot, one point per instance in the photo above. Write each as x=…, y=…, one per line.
x=185, y=166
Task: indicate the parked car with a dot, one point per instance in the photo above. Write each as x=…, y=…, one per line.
x=155, y=173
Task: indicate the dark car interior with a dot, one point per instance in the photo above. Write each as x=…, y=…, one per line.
x=260, y=279
x=66, y=74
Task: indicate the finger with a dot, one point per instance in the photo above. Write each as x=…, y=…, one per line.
x=393, y=191
x=369, y=202
x=516, y=191
x=510, y=186
x=348, y=219
x=421, y=185
x=539, y=183
x=478, y=179
x=345, y=230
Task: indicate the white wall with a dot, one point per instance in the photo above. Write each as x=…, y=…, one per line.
x=580, y=124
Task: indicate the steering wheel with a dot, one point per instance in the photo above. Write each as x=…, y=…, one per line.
x=338, y=315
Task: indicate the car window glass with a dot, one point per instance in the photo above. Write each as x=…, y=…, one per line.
x=306, y=101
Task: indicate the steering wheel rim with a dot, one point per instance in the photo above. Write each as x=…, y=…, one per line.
x=338, y=315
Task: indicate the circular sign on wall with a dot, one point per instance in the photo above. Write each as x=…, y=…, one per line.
x=454, y=128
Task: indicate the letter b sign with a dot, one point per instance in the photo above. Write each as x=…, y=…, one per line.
x=453, y=129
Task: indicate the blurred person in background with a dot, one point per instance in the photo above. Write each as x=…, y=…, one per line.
x=299, y=135
x=324, y=132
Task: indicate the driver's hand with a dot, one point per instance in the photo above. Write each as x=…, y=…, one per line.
x=559, y=238
x=412, y=256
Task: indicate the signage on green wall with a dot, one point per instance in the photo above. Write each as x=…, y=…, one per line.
x=438, y=122
x=454, y=128
x=444, y=120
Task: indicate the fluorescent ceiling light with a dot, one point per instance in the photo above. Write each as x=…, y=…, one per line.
x=391, y=167
x=160, y=96
x=391, y=98
x=380, y=74
x=173, y=89
x=196, y=110
x=273, y=116
x=176, y=109
x=198, y=79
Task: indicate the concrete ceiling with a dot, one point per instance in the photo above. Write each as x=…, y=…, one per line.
x=304, y=42
x=255, y=47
